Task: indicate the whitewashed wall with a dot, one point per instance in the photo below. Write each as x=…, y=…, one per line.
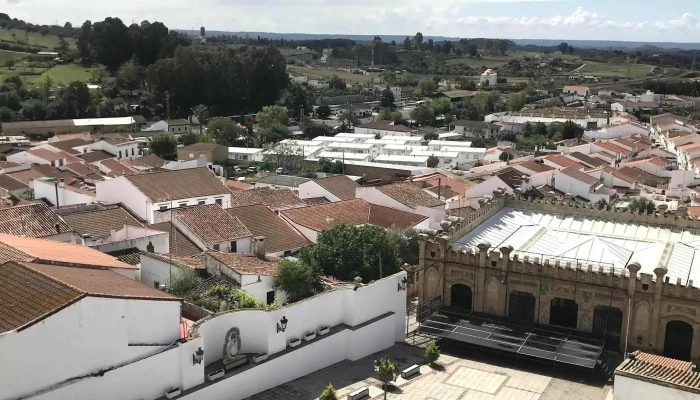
x=66, y=197
x=312, y=189
x=637, y=389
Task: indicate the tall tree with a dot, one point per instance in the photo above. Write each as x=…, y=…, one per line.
x=418, y=41
x=386, y=372
x=224, y=131
x=202, y=113
x=407, y=45
x=164, y=146
x=387, y=99
x=298, y=280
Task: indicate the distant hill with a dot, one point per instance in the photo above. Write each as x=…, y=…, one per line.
x=599, y=44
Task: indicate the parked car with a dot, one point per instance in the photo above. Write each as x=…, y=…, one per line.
x=252, y=169
x=281, y=171
x=236, y=168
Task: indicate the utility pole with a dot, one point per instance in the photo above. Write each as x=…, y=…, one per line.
x=167, y=103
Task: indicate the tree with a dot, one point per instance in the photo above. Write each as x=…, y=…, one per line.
x=202, y=113
x=235, y=298
x=386, y=372
x=224, y=131
x=9, y=63
x=418, y=41
x=571, y=130
x=328, y=393
x=329, y=167
x=323, y=111
x=46, y=84
x=130, y=76
x=387, y=99
x=433, y=162
x=422, y=115
x=505, y=156
x=406, y=240
x=528, y=130
x=441, y=105
x=312, y=130
x=553, y=102
x=285, y=154
x=473, y=50
x=192, y=138
x=432, y=352
x=387, y=114
x=347, y=251
x=641, y=205
x=431, y=136
x=298, y=280
x=540, y=129
x=478, y=142
x=337, y=83
x=426, y=87
x=429, y=45
x=407, y=45
x=164, y=146
x=182, y=281
x=98, y=74
x=271, y=116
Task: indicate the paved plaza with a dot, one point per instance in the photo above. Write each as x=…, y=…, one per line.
x=455, y=379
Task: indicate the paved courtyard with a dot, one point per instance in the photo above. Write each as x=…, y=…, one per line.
x=456, y=379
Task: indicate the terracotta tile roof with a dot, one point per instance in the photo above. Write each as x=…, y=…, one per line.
x=658, y=161
x=670, y=372
x=443, y=192
x=340, y=185
x=247, y=264
x=409, y=195
x=152, y=160
x=642, y=176
x=580, y=176
x=98, y=223
x=694, y=212
x=575, y=88
x=385, y=126
x=440, y=178
x=203, y=288
x=541, y=191
x=565, y=162
x=83, y=170
x=619, y=174
x=8, y=164
x=193, y=262
x=11, y=184
x=589, y=161
x=112, y=137
x=97, y=155
x=47, y=155
x=178, y=184
x=134, y=164
x=312, y=201
x=211, y=223
x=461, y=212
x=33, y=220
x=535, y=167
x=27, y=296
x=116, y=168
x=47, y=251
x=273, y=198
x=351, y=212
x=511, y=177
x=69, y=144
x=236, y=185
x=689, y=146
x=180, y=244
x=131, y=256
x=201, y=147
x=613, y=148
x=44, y=171
x=261, y=221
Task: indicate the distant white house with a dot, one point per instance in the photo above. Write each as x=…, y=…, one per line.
x=576, y=90
x=489, y=78
x=245, y=154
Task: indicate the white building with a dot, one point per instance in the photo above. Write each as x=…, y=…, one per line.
x=119, y=147
x=337, y=155
x=384, y=128
x=644, y=376
x=245, y=154
x=582, y=91
x=147, y=193
x=405, y=197
x=489, y=78
x=400, y=149
x=39, y=157
x=354, y=148
x=579, y=184
x=412, y=161
x=439, y=144
x=633, y=106
x=56, y=192
x=333, y=188
x=617, y=130
x=447, y=159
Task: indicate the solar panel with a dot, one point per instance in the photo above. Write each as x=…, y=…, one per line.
x=553, y=344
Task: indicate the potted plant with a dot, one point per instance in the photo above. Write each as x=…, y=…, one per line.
x=324, y=329
x=310, y=336
x=258, y=358
x=172, y=393
x=212, y=376
x=432, y=353
x=294, y=342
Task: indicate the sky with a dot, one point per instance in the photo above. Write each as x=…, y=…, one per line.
x=630, y=20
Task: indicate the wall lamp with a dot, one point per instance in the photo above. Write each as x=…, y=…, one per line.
x=403, y=283
x=198, y=356
x=282, y=325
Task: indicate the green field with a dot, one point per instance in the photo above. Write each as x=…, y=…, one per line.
x=614, y=70
x=495, y=61
x=314, y=73
x=32, y=38
x=11, y=55
x=61, y=74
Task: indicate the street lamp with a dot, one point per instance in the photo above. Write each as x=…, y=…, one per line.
x=198, y=356
x=282, y=325
x=376, y=365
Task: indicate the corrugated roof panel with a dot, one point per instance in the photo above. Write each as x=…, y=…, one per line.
x=680, y=262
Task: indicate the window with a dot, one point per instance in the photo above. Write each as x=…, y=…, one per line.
x=287, y=253
x=216, y=247
x=201, y=202
x=218, y=201
x=163, y=208
x=234, y=247
x=132, y=151
x=156, y=284
x=120, y=154
x=182, y=204
x=270, y=297
x=191, y=155
x=150, y=248
x=244, y=157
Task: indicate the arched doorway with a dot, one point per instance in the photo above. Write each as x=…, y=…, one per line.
x=679, y=340
x=461, y=296
x=563, y=312
x=607, y=325
x=522, y=306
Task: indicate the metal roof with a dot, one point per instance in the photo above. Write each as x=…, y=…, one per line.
x=610, y=244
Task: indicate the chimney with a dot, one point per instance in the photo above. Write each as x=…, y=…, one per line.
x=61, y=183
x=58, y=228
x=259, y=247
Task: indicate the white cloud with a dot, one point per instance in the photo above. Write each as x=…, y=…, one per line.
x=435, y=17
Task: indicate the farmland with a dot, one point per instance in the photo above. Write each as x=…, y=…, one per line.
x=607, y=70
x=314, y=73
x=32, y=39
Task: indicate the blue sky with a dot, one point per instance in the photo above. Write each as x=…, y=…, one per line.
x=634, y=20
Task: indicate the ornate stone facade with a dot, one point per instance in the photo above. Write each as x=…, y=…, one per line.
x=647, y=302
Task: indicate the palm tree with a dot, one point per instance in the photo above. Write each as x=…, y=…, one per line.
x=202, y=114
